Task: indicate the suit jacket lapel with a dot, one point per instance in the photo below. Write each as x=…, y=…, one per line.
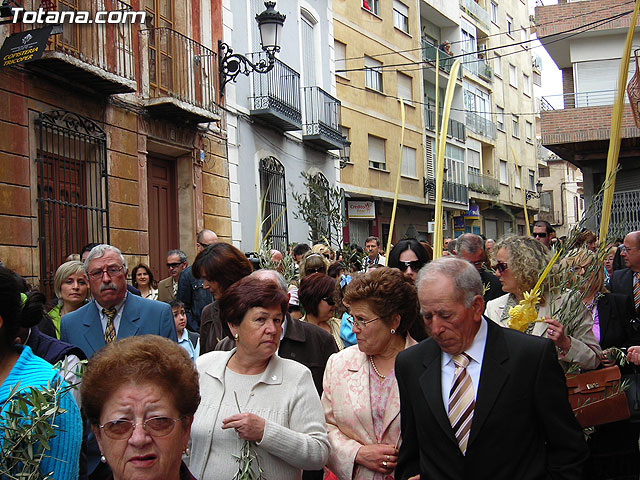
x=492, y=377
x=604, y=313
x=431, y=384
x=130, y=316
x=360, y=394
x=93, y=333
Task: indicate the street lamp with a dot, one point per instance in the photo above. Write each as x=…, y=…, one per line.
x=537, y=193
x=232, y=64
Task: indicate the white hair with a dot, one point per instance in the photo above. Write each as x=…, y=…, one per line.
x=465, y=277
x=98, y=251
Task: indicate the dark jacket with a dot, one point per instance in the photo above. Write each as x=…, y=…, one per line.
x=303, y=342
x=51, y=349
x=522, y=427
x=194, y=297
x=212, y=330
x=495, y=287
x=615, y=312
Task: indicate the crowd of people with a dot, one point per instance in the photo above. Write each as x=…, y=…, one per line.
x=359, y=365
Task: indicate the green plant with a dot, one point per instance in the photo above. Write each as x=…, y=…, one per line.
x=247, y=458
x=321, y=207
x=286, y=266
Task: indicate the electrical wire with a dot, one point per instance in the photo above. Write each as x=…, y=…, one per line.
x=582, y=29
x=563, y=19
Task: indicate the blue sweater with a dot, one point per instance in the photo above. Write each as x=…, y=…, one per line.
x=62, y=459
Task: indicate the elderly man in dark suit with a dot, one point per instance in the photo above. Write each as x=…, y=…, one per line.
x=627, y=280
x=478, y=400
x=113, y=314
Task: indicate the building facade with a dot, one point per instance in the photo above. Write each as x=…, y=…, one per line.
x=576, y=125
x=282, y=124
x=114, y=135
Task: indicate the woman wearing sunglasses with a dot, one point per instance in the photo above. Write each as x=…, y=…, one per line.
x=317, y=297
x=140, y=395
x=361, y=399
x=409, y=257
x=520, y=261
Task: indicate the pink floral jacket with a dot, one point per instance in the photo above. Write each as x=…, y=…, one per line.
x=347, y=409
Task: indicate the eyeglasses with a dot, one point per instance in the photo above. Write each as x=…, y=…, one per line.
x=624, y=248
x=174, y=265
x=539, y=234
x=415, y=265
x=111, y=271
x=156, y=427
x=501, y=267
x=204, y=245
x=361, y=324
x=329, y=300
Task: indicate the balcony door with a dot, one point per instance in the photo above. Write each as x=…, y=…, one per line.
x=160, y=19
x=163, y=213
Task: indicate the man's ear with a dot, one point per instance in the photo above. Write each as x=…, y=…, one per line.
x=478, y=306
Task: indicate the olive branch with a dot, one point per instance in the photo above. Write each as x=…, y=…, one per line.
x=246, y=458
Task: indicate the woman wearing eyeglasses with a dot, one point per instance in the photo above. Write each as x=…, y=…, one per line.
x=409, y=256
x=140, y=395
x=361, y=400
x=317, y=297
x=520, y=261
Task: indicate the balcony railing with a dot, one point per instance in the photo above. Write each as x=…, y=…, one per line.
x=480, y=125
x=95, y=55
x=451, y=192
x=322, y=120
x=477, y=12
x=483, y=184
x=478, y=66
x=455, y=128
x=429, y=55
x=183, y=76
x=581, y=99
x=276, y=95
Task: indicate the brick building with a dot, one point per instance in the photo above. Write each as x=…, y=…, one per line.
x=576, y=125
x=116, y=136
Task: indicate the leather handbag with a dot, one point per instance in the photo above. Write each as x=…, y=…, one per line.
x=596, y=397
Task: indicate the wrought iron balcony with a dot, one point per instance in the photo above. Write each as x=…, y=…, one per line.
x=98, y=56
x=474, y=10
x=276, y=95
x=483, y=184
x=625, y=212
x=480, y=125
x=455, y=128
x=322, y=120
x=451, y=192
x=182, y=76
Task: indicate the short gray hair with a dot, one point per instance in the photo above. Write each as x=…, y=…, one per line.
x=469, y=242
x=266, y=274
x=99, y=251
x=181, y=255
x=466, y=279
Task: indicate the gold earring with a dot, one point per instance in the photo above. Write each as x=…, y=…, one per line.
x=235, y=337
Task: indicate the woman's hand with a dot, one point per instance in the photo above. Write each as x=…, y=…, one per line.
x=607, y=359
x=555, y=332
x=633, y=355
x=249, y=426
x=382, y=458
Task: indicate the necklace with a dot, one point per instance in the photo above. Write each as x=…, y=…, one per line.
x=375, y=368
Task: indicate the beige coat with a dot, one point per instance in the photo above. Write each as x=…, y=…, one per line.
x=585, y=350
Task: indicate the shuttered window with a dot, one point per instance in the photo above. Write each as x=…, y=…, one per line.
x=377, y=157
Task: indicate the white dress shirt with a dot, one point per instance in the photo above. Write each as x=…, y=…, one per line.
x=476, y=352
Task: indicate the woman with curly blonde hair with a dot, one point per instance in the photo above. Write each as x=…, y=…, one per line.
x=520, y=261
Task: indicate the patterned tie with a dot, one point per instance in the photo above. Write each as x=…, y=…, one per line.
x=636, y=289
x=461, y=401
x=109, y=331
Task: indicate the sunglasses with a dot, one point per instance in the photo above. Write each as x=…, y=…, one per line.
x=156, y=427
x=329, y=300
x=309, y=271
x=501, y=267
x=415, y=265
x=539, y=234
x=174, y=265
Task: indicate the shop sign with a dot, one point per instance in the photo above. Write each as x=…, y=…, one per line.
x=24, y=46
x=365, y=210
x=473, y=213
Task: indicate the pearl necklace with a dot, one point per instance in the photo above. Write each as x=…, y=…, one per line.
x=375, y=368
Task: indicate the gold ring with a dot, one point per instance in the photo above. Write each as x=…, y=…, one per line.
x=384, y=464
x=388, y=458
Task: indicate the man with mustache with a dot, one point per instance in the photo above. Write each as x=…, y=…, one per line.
x=113, y=314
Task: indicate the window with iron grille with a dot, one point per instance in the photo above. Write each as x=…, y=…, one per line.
x=72, y=196
x=273, y=202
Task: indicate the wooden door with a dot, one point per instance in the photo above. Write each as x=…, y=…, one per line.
x=163, y=214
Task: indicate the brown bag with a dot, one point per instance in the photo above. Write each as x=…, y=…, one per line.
x=596, y=397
